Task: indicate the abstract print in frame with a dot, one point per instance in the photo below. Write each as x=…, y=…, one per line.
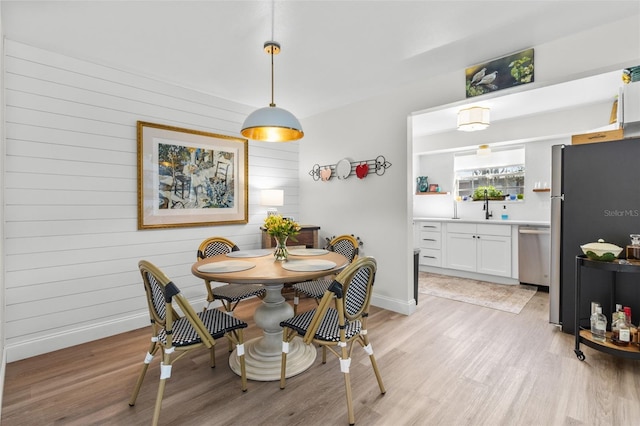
x=503, y=73
x=190, y=178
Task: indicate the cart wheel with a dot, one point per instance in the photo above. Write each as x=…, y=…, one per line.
x=579, y=354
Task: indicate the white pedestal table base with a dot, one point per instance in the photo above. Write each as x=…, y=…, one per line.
x=263, y=355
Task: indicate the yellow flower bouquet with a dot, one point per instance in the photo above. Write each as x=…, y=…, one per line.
x=281, y=229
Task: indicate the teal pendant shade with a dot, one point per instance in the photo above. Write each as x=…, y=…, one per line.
x=272, y=124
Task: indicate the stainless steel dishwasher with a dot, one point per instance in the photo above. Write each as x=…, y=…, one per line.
x=533, y=255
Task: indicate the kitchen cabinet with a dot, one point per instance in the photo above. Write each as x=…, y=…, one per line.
x=429, y=240
x=481, y=248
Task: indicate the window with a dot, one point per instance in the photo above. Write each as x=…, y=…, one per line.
x=502, y=169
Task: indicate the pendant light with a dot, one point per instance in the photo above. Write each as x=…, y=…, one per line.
x=483, y=150
x=473, y=118
x=272, y=124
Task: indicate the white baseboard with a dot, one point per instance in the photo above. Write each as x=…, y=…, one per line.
x=50, y=343
x=29, y=348
x=395, y=305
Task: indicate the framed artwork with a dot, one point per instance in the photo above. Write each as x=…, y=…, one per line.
x=503, y=73
x=190, y=178
x=433, y=187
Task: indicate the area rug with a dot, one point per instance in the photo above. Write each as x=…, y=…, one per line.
x=508, y=298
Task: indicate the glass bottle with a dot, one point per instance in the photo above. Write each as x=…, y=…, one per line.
x=614, y=317
x=627, y=313
x=599, y=325
x=633, y=328
x=621, y=334
x=633, y=249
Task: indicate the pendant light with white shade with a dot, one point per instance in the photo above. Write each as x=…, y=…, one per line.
x=473, y=118
x=272, y=124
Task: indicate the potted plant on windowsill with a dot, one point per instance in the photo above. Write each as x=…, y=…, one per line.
x=492, y=193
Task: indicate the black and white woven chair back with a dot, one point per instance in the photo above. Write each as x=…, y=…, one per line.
x=358, y=287
x=216, y=247
x=345, y=247
x=155, y=289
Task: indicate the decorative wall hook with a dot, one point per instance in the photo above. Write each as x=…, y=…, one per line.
x=345, y=168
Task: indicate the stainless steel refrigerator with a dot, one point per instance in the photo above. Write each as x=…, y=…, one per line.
x=595, y=193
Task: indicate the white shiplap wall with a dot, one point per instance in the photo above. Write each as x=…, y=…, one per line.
x=71, y=239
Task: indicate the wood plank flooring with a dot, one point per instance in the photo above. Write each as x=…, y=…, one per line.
x=450, y=363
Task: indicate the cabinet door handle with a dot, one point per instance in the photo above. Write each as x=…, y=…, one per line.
x=428, y=239
x=429, y=257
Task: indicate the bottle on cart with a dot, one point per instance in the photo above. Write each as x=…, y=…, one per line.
x=621, y=331
x=599, y=325
x=633, y=249
x=633, y=328
x=614, y=318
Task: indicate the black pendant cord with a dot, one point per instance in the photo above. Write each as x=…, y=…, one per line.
x=272, y=104
x=273, y=25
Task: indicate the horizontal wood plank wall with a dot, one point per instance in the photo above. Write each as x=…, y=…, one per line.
x=71, y=241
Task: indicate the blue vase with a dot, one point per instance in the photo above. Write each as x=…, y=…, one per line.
x=422, y=185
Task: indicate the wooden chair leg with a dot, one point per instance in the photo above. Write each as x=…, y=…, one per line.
x=243, y=371
x=156, y=411
x=210, y=297
x=374, y=364
x=165, y=374
x=145, y=366
x=351, y=415
x=283, y=364
x=296, y=301
x=366, y=346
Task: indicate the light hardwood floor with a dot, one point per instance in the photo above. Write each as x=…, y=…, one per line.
x=450, y=363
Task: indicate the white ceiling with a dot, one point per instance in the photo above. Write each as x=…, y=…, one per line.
x=333, y=52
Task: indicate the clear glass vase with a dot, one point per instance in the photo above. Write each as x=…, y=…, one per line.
x=281, y=253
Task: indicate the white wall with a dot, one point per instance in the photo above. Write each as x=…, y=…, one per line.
x=71, y=239
x=379, y=208
x=374, y=208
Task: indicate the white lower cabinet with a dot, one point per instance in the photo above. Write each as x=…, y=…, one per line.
x=481, y=248
x=429, y=237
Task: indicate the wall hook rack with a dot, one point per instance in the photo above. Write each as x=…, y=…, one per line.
x=346, y=168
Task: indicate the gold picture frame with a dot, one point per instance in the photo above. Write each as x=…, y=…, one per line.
x=190, y=178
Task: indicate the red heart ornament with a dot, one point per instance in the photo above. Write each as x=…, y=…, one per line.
x=362, y=170
x=325, y=174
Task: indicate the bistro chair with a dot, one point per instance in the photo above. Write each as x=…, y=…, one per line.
x=338, y=327
x=229, y=294
x=346, y=245
x=177, y=335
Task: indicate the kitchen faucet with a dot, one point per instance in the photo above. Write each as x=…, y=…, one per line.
x=487, y=213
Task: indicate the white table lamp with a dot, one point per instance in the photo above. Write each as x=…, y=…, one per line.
x=272, y=198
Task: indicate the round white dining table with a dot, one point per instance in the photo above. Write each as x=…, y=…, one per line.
x=263, y=354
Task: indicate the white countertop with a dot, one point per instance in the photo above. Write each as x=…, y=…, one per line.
x=491, y=221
